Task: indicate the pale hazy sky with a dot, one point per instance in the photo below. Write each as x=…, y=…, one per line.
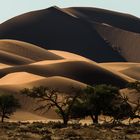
x=11, y=8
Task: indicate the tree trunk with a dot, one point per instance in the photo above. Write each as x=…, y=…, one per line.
x=65, y=120
x=92, y=118
x=96, y=119
x=2, y=118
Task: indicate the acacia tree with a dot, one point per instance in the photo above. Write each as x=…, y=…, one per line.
x=94, y=101
x=119, y=109
x=50, y=99
x=8, y=105
x=98, y=99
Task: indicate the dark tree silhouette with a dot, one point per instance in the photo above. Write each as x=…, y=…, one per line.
x=134, y=85
x=8, y=105
x=51, y=99
x=94, y=101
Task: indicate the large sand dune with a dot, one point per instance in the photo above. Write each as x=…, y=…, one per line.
x=56, y=29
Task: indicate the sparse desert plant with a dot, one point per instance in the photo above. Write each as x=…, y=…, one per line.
x=8, y=105
x=72, y=135
x=51, y=98
x=55, y=125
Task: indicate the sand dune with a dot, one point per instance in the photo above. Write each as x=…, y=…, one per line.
x=133, y=72
x=125, y=42
x=82, y=71
x=119, y=66
x=129, y=69
x=2, y=66
x=73, y=34
x=77, y=32
x=68, y=55
x=55, y=82
x=12, y=59
x=19, y=49
x=62, y=84
x=113, y=18
x=19, y=78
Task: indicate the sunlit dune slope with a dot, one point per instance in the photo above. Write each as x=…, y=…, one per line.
x=20, y=80
x=133, y=72
x=125, y=42
x=2, y=66
x=130, y=69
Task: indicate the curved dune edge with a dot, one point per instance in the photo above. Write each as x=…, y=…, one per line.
x=18, y=53
x=68, y=55
x=86, y=72
x=3, y=66
x=19, y=78
x=130, y=69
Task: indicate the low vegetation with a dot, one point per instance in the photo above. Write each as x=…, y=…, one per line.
x=53, y=131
